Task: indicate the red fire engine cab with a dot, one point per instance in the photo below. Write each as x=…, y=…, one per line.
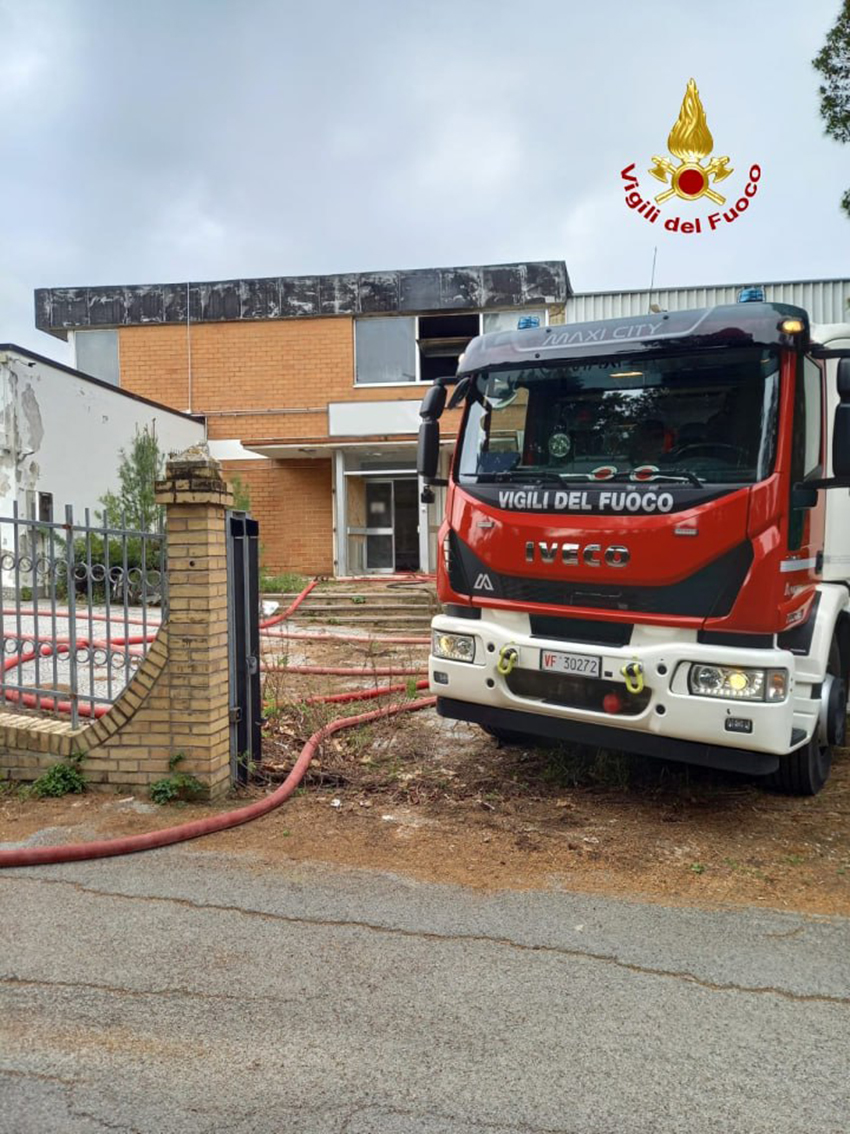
x=646, y=541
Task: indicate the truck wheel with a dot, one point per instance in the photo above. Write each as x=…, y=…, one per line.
x=805, y=771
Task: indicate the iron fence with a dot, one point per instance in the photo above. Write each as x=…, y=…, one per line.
x=81, y=602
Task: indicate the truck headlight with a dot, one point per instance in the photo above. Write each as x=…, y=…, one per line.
x=738, y=683
x=455, y=647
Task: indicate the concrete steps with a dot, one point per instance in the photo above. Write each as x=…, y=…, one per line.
x=383, y=606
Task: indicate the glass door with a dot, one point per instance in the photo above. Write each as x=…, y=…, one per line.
x=380, y=542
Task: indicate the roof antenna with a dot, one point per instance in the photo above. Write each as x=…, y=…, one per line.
x=188, y=350
x=653, y=307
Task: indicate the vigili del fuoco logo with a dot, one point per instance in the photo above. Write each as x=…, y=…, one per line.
x=691, y=174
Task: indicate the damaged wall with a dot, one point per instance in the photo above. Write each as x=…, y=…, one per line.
x=61, y=432
x=492, y=286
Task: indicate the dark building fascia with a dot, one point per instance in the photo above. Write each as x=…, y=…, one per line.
x=419, y=291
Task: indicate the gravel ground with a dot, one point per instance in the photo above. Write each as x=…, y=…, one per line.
x=101, y=672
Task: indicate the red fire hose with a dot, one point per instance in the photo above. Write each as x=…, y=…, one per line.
x=290, y=610
x=341, y=671
x=46, y=649
x=104, y=848
x=331, y=638
x=361, y=694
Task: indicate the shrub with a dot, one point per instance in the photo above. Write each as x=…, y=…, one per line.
x=180, y=787
x=64, y=778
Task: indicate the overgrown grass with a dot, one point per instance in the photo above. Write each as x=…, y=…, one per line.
x=286, y=583
x=576, y=766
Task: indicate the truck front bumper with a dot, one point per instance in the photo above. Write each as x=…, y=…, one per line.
x=669, y=721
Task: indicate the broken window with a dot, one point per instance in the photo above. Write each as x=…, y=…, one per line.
x=442, y=340
x=406, y=348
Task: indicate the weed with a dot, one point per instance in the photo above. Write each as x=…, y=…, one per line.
x=245, y=761
x=410, y=689
x=285, y=583
x=178, y=787
x=795, y=859
x=64, y=778
x=698, y=868
x=569, y=766
x=358, y=600
x=241, y=494
x=359, y=739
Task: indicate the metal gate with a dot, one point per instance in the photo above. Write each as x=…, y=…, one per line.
x=243, y=618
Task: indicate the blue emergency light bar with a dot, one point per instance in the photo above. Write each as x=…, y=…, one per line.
x=751, y=295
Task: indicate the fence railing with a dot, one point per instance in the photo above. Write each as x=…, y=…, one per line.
x=81, y=602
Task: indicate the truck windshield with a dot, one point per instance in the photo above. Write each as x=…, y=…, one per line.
x=699, y=418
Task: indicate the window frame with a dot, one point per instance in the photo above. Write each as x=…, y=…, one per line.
x=419, y=381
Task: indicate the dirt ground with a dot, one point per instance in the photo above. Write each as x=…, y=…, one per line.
x=437, y=800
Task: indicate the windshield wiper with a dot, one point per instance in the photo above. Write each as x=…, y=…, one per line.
x=517, y=477
x=544, y=477
x=684, y=477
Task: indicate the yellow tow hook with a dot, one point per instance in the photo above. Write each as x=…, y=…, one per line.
x=633, y=673
x=508, y=657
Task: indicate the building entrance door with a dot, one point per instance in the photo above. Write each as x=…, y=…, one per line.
x=406, y=524
x=392, y=525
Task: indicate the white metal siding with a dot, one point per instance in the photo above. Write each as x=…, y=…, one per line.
x=825, y=300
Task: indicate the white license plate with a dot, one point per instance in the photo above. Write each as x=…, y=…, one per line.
x=553, y=661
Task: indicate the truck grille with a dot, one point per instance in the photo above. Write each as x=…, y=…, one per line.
x=574, y=692
x=708, y=593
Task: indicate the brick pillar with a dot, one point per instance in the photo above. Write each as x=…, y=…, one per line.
x=196, y=497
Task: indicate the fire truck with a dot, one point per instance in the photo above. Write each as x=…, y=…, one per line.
x=646, y=543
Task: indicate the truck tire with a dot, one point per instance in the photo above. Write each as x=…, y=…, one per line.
x=806, y=770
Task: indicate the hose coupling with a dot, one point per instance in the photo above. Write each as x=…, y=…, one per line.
x=508, y=657
x=633, y=673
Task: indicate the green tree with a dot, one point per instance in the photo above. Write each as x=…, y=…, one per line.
x=241, y=494
x=833, y=62
x=134, y=504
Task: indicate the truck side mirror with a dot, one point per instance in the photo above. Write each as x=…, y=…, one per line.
x=428, y=449
x=841, y=427
x=433, y=403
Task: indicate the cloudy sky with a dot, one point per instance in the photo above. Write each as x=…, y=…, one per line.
x=210, y=139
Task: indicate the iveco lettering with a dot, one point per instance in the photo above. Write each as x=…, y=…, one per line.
x=646, y=542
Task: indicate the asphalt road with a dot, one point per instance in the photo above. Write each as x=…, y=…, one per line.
x=188, y=991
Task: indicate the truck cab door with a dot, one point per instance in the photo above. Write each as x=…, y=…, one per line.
x=806, y=515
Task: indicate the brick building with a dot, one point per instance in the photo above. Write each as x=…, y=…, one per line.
x=310, y=387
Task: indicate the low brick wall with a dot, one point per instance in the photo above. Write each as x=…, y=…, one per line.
x=177, y=702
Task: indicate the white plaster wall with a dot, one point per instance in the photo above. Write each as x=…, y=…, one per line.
x=63, y=434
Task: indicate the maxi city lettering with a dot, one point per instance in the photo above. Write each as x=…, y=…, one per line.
x=546, y=500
